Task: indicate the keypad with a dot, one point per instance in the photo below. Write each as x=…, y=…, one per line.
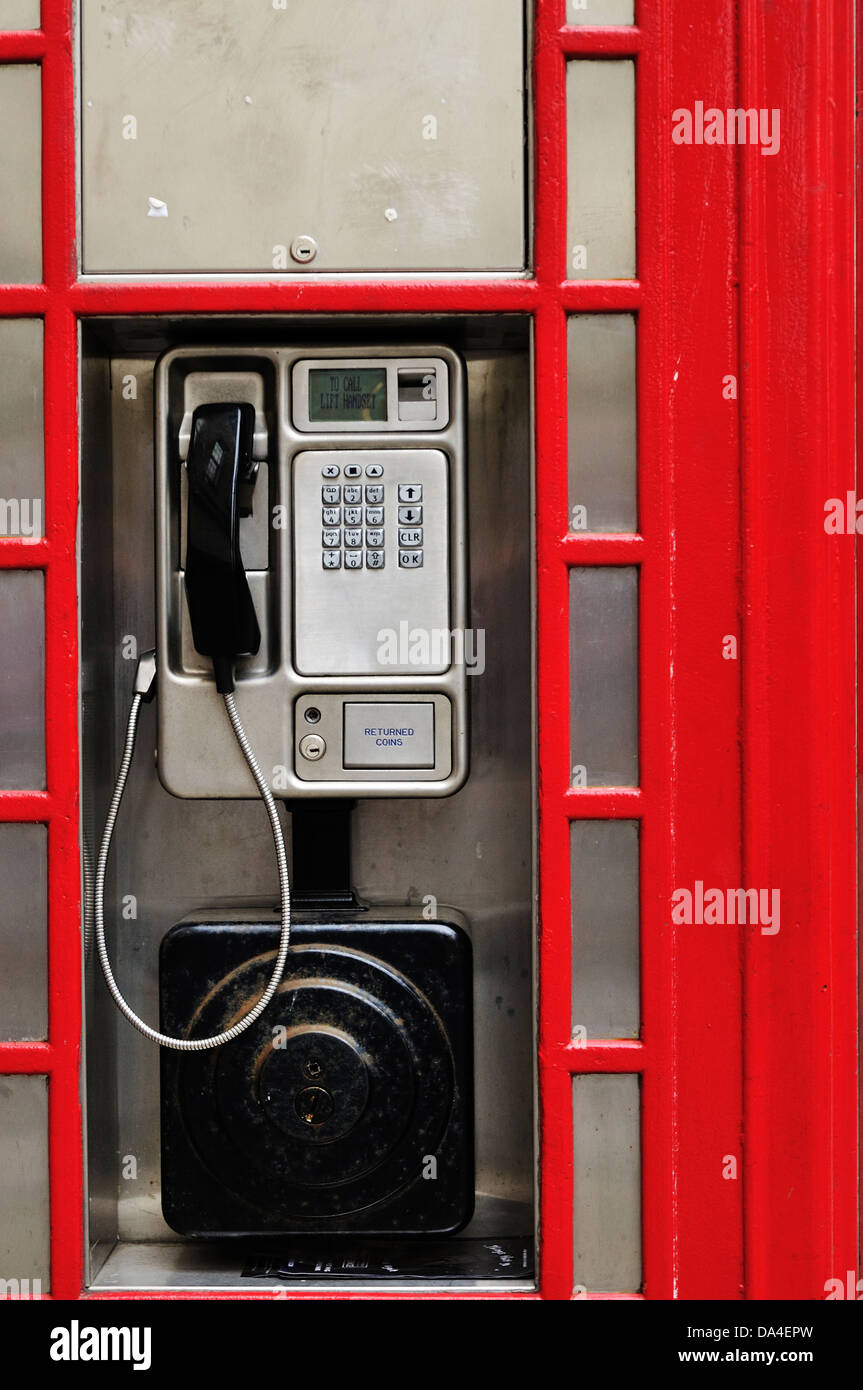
x=353, y=536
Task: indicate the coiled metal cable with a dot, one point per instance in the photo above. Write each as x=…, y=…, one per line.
x=192, y=1044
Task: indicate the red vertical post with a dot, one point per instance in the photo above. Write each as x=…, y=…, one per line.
x=798, y=716
x=61, y=648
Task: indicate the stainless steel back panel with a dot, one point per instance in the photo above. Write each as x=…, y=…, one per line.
x=390, y=137
x=473, y=849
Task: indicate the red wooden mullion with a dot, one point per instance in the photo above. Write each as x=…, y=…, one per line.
x=654, y=1058
x=606, y=41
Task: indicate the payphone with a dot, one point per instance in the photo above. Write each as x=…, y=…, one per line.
x=311, y=579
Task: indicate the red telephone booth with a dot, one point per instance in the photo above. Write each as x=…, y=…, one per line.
x=655, y=306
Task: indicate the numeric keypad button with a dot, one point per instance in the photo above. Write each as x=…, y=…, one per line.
x=375, y=537
x=353, y=559
x=353, y=495
x=374, y=559
x=374, y=516
x=332, y=559
x=332, y=516
x=374, y=494
x=332, y=538
x=353, y=538
x=330, y=495
x=353, y=516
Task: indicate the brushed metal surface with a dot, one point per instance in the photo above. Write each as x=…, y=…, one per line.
x=24, y=932
x=600, y=157
x=392, y=136
x=605, y=928
x=340, y=614
x=24, y=1208
x=22, y=473
x=22, y=679
x=602, y=421
x=20, y=14
x=606, y=1130
x=21, y=174
x=603, y=701
x=595, y=12
x=473, y=849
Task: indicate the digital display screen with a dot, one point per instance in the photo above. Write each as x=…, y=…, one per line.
x=347, y=393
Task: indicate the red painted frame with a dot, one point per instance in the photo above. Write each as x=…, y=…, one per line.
x=745, y=264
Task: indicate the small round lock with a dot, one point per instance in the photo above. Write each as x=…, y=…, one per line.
x=304, y=249
x=312, y=747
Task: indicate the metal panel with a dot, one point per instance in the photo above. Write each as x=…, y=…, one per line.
x=24, y=1217
x=22, y=680
x=604, y=680
x=23, y=932
x=602, y=422
x=600, y=147
x=606, y=1183
x=472, y=849
x=599, y=11
x=20, y=175
x=21, y=451
x=393, y=138
x=19, y=14
x=605, y=980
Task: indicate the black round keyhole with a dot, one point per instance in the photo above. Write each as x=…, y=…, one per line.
x=313, y=1105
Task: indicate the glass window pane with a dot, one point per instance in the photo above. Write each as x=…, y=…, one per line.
x=21, y=453
x=20, y=14
x=24, y=1219
x=602, y=428
x=599, y=12
x=600, y=143
x=21, y=174
x=605, y=993
x=22, y=680
x=606, y=1183
x=23, y=932
x=604, y=675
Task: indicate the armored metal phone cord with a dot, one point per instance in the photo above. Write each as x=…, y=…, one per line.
x=192, y=1044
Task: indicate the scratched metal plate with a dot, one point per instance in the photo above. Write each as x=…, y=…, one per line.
x=392, y=134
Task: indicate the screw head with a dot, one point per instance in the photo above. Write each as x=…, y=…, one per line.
x=304, y=249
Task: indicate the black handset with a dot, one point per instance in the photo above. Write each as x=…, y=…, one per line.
x=220, y=469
